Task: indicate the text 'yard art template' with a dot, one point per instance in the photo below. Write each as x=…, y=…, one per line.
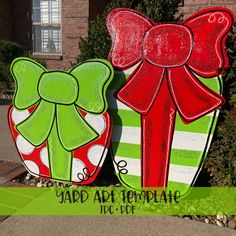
x=59, y=121
x=165, y=95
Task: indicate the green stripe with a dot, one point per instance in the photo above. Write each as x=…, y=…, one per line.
x=201, y=125
x=132, y=180
x=185, y=157
x=211, y=83
x=126, y=150
x=135, y=182
x=125, y=118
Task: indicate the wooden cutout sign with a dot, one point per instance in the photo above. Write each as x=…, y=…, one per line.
x=59, y=121
x=166, y=94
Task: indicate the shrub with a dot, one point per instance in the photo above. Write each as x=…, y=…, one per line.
x=221, y=160
x=9, y=51
x=98, y=43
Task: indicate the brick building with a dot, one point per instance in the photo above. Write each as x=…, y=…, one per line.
x=191, y=6
x=51, y=29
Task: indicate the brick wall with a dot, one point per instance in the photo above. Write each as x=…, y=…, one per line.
x=75, y=22
x=75, y=15
x=191, y=6
x=5, y=20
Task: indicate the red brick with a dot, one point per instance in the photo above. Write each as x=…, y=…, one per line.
x=196, y=2
x=222, y=2
x=188, y=9
x=232, y=7
x=199, y=8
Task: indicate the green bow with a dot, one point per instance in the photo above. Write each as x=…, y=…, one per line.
x=57, y=94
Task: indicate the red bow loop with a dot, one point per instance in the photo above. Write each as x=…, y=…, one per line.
x=210, y=29
x=192, y=99
x=127, y=29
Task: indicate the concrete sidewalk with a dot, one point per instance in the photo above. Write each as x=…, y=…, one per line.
x=7, y=148
x=133, y=225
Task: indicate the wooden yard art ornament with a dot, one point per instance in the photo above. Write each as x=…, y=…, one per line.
x=59, y=121
x=167, y=94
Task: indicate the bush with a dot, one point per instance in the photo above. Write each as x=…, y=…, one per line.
x=9, y=51
x=221, y=160
x=98, y=43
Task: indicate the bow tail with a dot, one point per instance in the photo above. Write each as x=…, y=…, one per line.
x=73, y=130
x=141, y=89
x=192, y=99
x=38, y=126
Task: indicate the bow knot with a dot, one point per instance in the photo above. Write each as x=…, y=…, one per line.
x=159, y=49
x=58, y=87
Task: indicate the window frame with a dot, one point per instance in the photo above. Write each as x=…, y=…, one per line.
x=42, y=53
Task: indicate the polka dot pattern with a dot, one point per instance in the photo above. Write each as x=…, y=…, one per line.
x=24, y=147
x=32, y=167
x=77, y=169
x=96, y=153
x=98, y=122
x=44, y=156
x=19, y=116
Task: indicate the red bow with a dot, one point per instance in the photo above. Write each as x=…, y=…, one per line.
x=169, y=56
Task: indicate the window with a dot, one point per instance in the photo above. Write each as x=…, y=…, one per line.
x=47, y=26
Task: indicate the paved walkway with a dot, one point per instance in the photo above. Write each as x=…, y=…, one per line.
x=7, y=148
x=148, y=225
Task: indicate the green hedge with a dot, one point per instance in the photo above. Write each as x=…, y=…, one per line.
x=8, y=52
x=221, y=160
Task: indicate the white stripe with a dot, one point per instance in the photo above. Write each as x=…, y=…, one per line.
x=177, y=173
x=181, y=140
x=133, y=165
x=115, y=103
x=182, y=174
x=189, y=141
x=126, y=134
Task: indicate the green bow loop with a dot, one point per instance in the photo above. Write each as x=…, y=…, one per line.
x=26, y=74
x=93, y=77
